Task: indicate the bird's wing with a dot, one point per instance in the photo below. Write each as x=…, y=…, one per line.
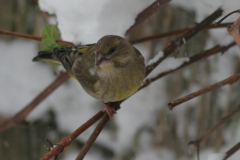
x=80, y=64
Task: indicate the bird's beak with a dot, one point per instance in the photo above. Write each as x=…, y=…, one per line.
x=99, y=59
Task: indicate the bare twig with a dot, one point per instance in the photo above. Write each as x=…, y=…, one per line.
x=193, y=59
x=49, y=149
x=197, y=142
x=27, y=36
x=20, y=116
x=176, y=44
x=234, y=30
x=96, y=132
x=173, y=33
x=93, y=137
x=220, y=21
x=65, y=142
x=232, y=151
x=146, y=13
x=229, y=80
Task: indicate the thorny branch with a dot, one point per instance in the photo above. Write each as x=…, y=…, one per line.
x=20, y=116
x=229, y=80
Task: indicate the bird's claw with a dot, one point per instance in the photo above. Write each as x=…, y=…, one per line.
x=110, y=111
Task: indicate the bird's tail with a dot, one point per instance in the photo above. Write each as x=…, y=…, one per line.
x=47, y=56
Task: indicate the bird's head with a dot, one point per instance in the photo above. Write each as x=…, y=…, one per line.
x=112, y=51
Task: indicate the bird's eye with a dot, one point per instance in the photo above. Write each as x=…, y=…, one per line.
x=111, y=50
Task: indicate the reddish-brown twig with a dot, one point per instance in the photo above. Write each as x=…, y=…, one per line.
x=65, y=142
x=193, y=59
x=234, y=30
x=176, y=44
x=173, y=33
x=49, y=149
x=93, y=137
x=232, y=151
x=96, y=132
x=20, y=116
x=229, y=80
x=197, y=142
x=146, y=13
x=27, y=36
x=220, y=21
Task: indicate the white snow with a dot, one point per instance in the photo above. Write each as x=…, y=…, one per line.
x=168, y=64
x=156, y=58
x=82, y=21
x=216, y=156
x=155, y=154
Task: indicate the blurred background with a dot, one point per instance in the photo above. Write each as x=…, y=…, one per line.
x=144, y=127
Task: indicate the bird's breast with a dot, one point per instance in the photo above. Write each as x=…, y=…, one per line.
x=115, y=84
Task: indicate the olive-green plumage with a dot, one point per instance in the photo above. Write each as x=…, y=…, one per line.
x=110, y=70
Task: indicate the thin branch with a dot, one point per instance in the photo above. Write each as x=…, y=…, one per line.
x=146, y=13
x=20, y=116
x=229, y=80
x=193, y=59
x=159, y=36
x=173, y=33
x=93, y=137
x=176, y=44
x=27, y=36
x=65, y=142
x=96, y=132
x=216, y=126
x=220, y=21
x=232, y=151
x=234, y=30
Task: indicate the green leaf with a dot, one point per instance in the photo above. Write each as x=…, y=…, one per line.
x=48, y=41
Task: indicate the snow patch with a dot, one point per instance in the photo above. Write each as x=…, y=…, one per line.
x=216, y=156
x=156, y=58
x=168, y=64
x=85, y=22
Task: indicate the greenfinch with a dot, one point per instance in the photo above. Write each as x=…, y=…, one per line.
x=110, y=70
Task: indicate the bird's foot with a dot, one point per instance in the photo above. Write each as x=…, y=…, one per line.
x=110, y=111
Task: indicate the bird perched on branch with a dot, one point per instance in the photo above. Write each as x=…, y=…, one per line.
x=110, y=70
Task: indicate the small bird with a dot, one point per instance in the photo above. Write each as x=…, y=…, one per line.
x=110, y=70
